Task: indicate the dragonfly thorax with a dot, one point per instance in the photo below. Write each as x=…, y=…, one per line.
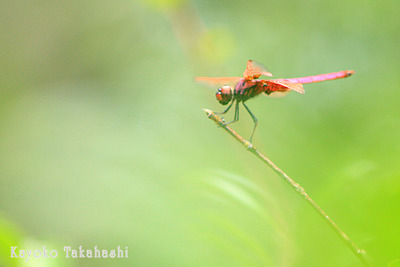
x=224, y=94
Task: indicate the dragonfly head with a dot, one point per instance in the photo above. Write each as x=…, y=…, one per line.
x=224, y=94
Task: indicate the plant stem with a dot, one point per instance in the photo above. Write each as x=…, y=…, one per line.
x=361, y=254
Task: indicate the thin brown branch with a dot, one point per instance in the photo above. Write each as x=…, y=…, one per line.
x=361, y=254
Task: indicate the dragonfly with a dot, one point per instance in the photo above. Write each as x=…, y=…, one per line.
x=240, y=89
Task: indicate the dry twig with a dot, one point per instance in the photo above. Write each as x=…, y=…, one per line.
x=361, y=254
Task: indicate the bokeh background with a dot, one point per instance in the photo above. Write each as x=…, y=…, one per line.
x=103, y=140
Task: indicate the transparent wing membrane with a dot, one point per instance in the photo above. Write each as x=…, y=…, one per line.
x=254, y=70
x=216, y=82
x=298, y=87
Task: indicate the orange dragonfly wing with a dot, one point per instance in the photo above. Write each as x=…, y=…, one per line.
x=277, y=84
x=279, y=93
x=254, y=70
x=217, y=81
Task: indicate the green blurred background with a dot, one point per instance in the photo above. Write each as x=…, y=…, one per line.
x=103, y=140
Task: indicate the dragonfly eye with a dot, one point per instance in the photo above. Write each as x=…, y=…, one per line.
x=224, y=95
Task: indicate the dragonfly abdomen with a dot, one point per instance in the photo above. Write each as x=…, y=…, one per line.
x=322, y=77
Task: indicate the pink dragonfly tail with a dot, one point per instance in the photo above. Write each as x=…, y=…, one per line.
x=322, y=77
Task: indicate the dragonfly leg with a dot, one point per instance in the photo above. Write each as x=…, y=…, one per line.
x=254, y=119
x=236, y=118
x=226, y=110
